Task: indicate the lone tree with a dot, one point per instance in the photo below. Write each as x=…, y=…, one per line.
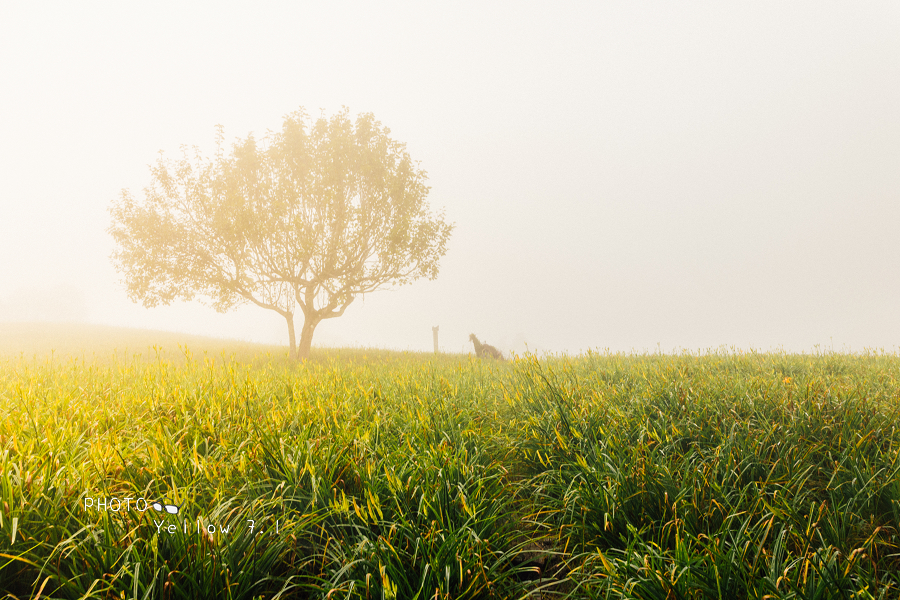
x=307, y=217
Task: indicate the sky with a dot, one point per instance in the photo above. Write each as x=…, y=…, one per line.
x=630, y=176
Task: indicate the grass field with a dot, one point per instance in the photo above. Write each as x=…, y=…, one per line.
x=372, y=474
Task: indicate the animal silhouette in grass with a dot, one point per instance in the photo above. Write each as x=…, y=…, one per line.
x=485, y=350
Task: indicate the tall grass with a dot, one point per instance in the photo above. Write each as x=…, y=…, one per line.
x=365, y=474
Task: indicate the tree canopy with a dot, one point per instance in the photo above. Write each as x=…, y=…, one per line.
x=310, y=216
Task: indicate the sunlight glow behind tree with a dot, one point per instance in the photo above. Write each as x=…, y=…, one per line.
x=308, y=217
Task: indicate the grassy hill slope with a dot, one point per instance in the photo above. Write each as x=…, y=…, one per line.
x=90, y=341
x=103, y=343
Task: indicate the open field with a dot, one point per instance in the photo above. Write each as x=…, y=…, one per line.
x=372, y=474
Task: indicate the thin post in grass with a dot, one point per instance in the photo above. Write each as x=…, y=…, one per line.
x=434, y=333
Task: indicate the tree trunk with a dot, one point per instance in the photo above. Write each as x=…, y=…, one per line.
x=292, y=337
x=306, y=334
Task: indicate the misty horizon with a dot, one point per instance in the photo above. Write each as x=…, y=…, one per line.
x=626, y=177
